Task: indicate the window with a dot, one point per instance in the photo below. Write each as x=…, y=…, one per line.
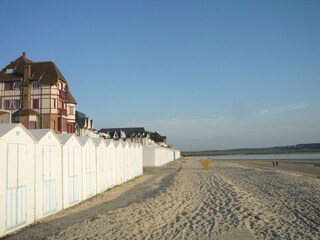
x=8, y=85
x=16, y=85
x=35, y=103
x=9, y=71
x=53, y=103
x=71, y=110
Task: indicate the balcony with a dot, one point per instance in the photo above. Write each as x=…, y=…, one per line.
x=63, y=112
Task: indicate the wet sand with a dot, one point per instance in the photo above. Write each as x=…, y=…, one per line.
x=232, y=200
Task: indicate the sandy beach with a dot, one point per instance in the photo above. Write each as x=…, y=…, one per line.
x=232, y=200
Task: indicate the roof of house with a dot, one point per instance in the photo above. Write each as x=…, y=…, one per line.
x=128, y=131
x=157, y=137
x=26, y=112
x=45, y=72
x=70, y=98
x=80, y=119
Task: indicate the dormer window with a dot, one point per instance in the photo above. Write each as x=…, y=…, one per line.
x=9, y=71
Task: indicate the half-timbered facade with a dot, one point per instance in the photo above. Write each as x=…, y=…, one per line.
x=37, y=95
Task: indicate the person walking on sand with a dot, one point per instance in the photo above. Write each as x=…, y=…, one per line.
x=273, y=162
x=277, y=163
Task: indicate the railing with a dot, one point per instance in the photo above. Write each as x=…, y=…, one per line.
x=49, y=196
x=16, y=213
x=63, y=112
x=73, y=189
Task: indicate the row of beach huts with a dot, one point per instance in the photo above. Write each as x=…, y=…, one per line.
x=42, y=172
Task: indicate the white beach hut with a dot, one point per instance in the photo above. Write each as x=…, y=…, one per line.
x=126, y=156
x=89, y=170
x=102, y=166
x=71, y=169
x=111, y=163
x=119, y=161
x=16, y=177
x=140, y=159
x=134, y=160
x=48, y=172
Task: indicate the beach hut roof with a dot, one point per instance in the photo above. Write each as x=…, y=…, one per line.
x=65, y=137
x=109, y=141
x=40, y=133
x=7, y=127
x=116, y=143
x=85, y=139
x=98, y=141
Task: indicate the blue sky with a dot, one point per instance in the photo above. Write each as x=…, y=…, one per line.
x=207, y=74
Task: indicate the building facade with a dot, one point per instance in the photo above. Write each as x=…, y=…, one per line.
x=37, y=95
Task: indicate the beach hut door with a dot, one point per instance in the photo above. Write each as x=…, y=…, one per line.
x=17, y=167
x=48, y=178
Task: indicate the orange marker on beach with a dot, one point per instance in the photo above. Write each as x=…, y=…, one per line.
x=205, y=164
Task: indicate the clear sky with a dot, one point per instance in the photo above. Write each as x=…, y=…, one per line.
x=207, y=74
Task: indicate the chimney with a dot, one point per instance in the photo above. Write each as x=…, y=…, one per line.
x=26, y=88
x=24, y=54
x=27, y=72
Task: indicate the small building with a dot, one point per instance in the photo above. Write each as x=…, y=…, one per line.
x=48, y=174
x=84, y=125
x=88, y=167
x=111, y=163
x=16, y=177
x=71, y=165
x=102, y=164
x=5, y=116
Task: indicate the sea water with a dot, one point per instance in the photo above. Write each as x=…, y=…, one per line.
x=289, y=156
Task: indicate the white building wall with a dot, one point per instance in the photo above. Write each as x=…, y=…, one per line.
x=157, y=156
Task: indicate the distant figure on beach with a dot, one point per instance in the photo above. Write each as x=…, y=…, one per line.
x=273, y=162
x=277, y=163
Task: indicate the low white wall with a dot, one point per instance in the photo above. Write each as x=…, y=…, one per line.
x=154, y=156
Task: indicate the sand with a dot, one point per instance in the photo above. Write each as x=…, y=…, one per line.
x=232, y=200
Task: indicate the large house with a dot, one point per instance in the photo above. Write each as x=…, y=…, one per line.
x=37, y=95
